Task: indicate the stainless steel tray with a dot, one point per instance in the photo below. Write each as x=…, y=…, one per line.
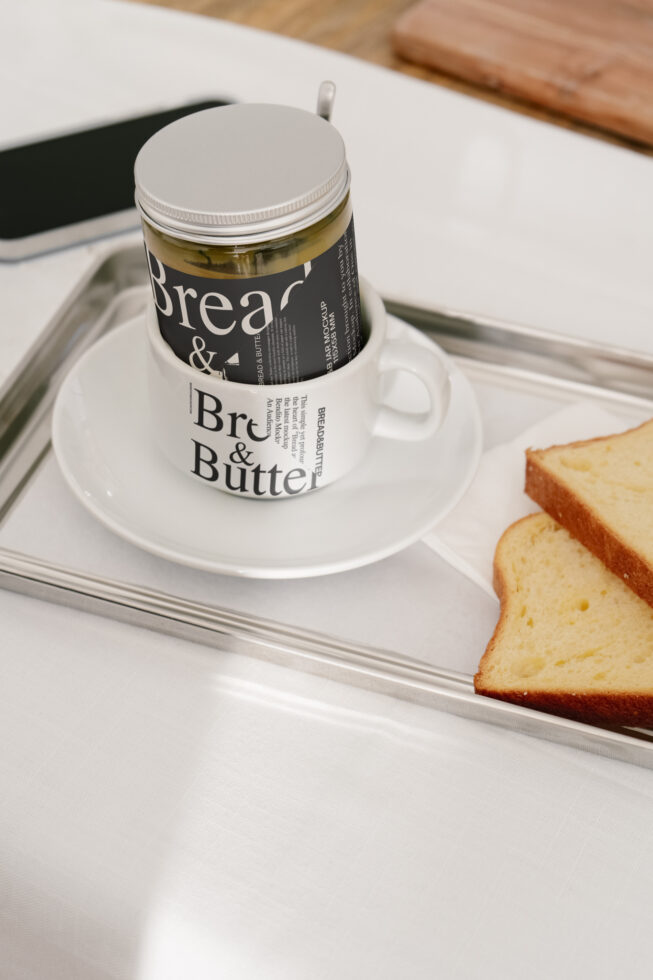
x=506, y=354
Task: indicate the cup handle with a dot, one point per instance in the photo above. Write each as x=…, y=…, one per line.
x=422, y=362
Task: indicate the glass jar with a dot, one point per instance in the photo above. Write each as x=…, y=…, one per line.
x=249, y=234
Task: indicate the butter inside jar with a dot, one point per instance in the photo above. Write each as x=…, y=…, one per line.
x=245, y=261
x=248, y=227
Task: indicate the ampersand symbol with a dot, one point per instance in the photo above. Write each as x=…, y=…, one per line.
x=240, y=454
x=197, y=358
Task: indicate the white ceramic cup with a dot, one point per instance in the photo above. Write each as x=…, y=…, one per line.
x=275, y=441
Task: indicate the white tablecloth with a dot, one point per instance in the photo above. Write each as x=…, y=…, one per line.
x=167, y=811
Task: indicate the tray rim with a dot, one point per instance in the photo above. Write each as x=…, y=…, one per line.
x=96, y=304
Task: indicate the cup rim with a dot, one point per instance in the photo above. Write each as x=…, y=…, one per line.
x=374, y=315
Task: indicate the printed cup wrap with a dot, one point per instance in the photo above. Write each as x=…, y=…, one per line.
x=281, y=441
x=270, y=447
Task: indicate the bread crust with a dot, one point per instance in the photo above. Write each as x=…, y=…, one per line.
x=584, y=524
x=613, y=710
x=616, y=708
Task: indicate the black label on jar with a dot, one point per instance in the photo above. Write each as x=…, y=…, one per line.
x=288, y=326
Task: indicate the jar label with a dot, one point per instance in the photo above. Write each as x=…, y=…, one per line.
x=288, y=326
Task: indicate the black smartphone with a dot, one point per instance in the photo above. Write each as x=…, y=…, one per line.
x=75, y=187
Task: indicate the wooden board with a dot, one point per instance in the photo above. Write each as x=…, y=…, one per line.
x=591, y=60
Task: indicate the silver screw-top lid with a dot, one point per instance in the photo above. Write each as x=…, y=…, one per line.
x=241, y=173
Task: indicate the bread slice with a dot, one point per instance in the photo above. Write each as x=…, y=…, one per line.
x=601, y=490
x=571, y=639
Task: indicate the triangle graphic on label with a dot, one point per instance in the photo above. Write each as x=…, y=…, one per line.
x=234, y=359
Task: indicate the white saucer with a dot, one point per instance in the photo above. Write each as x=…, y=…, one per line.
x=101, y=438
